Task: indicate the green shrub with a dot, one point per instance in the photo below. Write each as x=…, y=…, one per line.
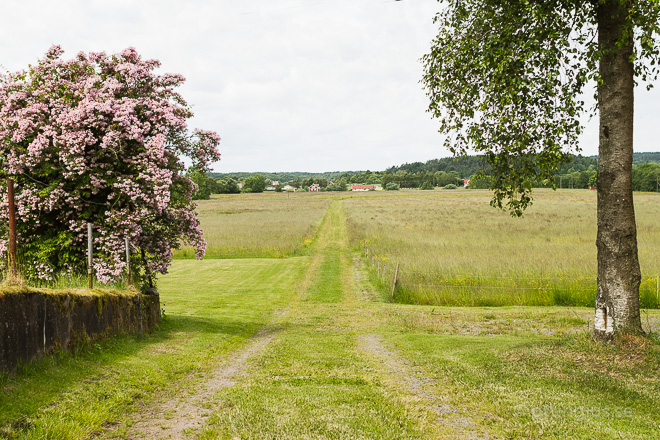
x=254, y=184
x=450, y=186
x=339, y=186
x=227, y=185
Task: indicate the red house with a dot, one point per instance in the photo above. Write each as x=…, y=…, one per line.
x=363, y=187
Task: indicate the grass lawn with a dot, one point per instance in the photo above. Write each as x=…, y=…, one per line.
x=529, y=372
x=211, y=307
x=341, y=361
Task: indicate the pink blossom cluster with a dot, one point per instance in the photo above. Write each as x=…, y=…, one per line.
x=100, y=138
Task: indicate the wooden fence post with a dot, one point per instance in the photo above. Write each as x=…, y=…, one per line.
x=90, y=247
x=13, y=272
x=128, y=260
x=396, y=275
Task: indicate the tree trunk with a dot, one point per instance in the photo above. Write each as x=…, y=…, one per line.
x=617, y=300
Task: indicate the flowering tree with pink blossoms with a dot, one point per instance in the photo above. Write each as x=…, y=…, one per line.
x=99, y=138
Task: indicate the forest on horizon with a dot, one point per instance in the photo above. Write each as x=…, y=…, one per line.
x=579, y=172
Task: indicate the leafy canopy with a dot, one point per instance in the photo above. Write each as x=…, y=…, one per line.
x=505, y=78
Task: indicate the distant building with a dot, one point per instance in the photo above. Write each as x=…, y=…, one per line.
x=363, y=187
x=315, y=187
x=272, y=186
x=288, y=188
x=466, y=182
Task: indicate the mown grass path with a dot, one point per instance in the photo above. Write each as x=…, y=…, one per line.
x=315, y=380
x=314, y=371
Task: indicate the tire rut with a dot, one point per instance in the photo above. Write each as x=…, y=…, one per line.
x=403, y=377
x=181, y=417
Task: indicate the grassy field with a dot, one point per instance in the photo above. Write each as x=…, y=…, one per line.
x=313, y=382
x=273, y=225
x=533, y=373
x=308, y=348
x=454, y=249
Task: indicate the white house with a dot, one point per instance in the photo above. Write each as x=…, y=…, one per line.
x=363, y=188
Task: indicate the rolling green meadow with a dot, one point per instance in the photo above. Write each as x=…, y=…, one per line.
x=289, y=331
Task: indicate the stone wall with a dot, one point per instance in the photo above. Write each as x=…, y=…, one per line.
x=38, y=322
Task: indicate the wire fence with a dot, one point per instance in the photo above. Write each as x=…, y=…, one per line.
x=22, y=268
x=438, y=288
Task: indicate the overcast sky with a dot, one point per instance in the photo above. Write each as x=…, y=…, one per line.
x=290, y=85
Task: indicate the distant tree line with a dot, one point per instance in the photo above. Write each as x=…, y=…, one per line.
x=282, y=177
x=646, y=177
x=579, y=172
x=208, y=185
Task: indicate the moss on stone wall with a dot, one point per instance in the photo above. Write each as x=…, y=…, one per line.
x=37, y=322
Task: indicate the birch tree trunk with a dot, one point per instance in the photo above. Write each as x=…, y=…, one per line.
x=617, y=300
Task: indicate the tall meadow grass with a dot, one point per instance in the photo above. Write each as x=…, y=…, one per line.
x=454, y=249
x=274, y=225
